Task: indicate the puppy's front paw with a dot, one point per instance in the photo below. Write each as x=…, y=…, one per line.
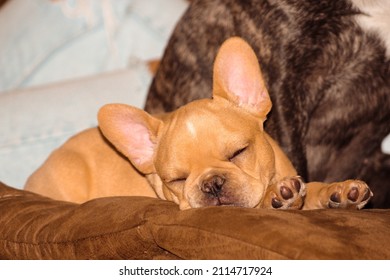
x=288, y=193
x=350, y=194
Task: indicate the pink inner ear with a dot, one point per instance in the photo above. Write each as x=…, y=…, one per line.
x=140, y=147
x=243, y=79
x=132, y=131
x=241, y=76
x=238, y=78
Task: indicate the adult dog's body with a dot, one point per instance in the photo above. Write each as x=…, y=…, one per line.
x=326, y=65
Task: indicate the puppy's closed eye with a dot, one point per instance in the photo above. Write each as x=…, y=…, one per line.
x=177, y=180
x=237, y=153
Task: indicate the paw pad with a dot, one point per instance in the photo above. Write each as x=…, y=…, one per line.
x=349, y=194
x=289, y=194
x=276, y=203
x=353, y=194
x=286, y=192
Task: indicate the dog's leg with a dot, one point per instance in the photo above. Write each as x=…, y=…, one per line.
x=288, y=193
x=350, y=194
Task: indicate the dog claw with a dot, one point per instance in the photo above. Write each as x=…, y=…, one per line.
x=367, y=195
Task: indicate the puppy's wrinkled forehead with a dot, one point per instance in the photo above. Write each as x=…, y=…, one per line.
x=205, y=127
x=202, y=119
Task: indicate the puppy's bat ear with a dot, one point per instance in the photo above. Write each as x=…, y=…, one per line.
x=238, y=78
x=132, y=131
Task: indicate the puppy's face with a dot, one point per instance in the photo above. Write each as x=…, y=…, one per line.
x=213, y=153
x=208, y=152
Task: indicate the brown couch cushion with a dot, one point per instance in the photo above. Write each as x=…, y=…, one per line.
x=34, y=227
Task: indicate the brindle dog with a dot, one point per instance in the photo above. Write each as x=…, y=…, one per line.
x=326, y=64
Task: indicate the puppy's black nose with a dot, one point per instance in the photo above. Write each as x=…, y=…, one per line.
x=212, y=185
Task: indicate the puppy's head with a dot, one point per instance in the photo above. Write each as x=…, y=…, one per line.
x=210, y=151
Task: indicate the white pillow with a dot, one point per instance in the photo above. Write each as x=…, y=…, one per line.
x=37, y=120
x=43, y=41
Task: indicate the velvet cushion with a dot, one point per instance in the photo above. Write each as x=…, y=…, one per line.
x=35, y=227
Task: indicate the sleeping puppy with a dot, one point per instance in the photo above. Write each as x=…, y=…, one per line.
x=326, y=66
x=209, y=152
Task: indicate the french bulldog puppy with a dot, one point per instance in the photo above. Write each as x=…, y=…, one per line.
x=326, y=65
x=209, y=152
